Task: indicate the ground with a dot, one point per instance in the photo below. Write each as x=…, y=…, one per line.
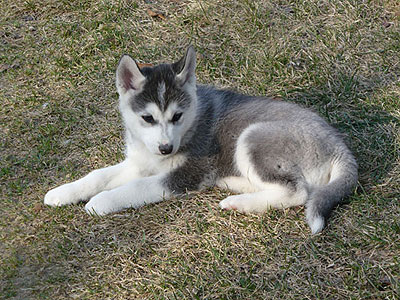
x=59, y=120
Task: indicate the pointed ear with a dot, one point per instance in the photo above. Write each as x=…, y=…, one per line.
x=186, y=67
x=128, y=76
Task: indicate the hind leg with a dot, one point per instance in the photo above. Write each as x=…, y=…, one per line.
x=269, y=177
x=273, y=196
x=237, y=184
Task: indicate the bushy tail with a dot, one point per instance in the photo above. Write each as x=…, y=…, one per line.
x=323, y=199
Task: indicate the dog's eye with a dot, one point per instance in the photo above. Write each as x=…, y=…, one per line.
x=176, y=117
x=149, y=119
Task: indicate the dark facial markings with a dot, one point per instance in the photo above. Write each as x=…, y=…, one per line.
x=149, y=118
x=164, y=75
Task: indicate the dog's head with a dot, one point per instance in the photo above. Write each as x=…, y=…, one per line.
x=158, y=104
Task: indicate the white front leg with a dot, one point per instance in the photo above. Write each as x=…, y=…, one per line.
x=133, y=194
x=92, y=184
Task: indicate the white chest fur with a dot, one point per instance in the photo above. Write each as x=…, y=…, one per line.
x=149, y=164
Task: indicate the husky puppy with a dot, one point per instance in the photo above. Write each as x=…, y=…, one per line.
x=181, y=137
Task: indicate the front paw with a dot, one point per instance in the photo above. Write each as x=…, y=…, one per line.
x=101, y=204
x=61, y=195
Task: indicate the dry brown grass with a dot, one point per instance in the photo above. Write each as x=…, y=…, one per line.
x=59, y=120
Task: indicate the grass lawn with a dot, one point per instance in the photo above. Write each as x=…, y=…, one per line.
x=59, y=120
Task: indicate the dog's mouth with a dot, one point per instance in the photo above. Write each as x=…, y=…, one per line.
x=166, y=154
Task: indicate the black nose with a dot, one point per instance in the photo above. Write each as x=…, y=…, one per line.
x=165, y=149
